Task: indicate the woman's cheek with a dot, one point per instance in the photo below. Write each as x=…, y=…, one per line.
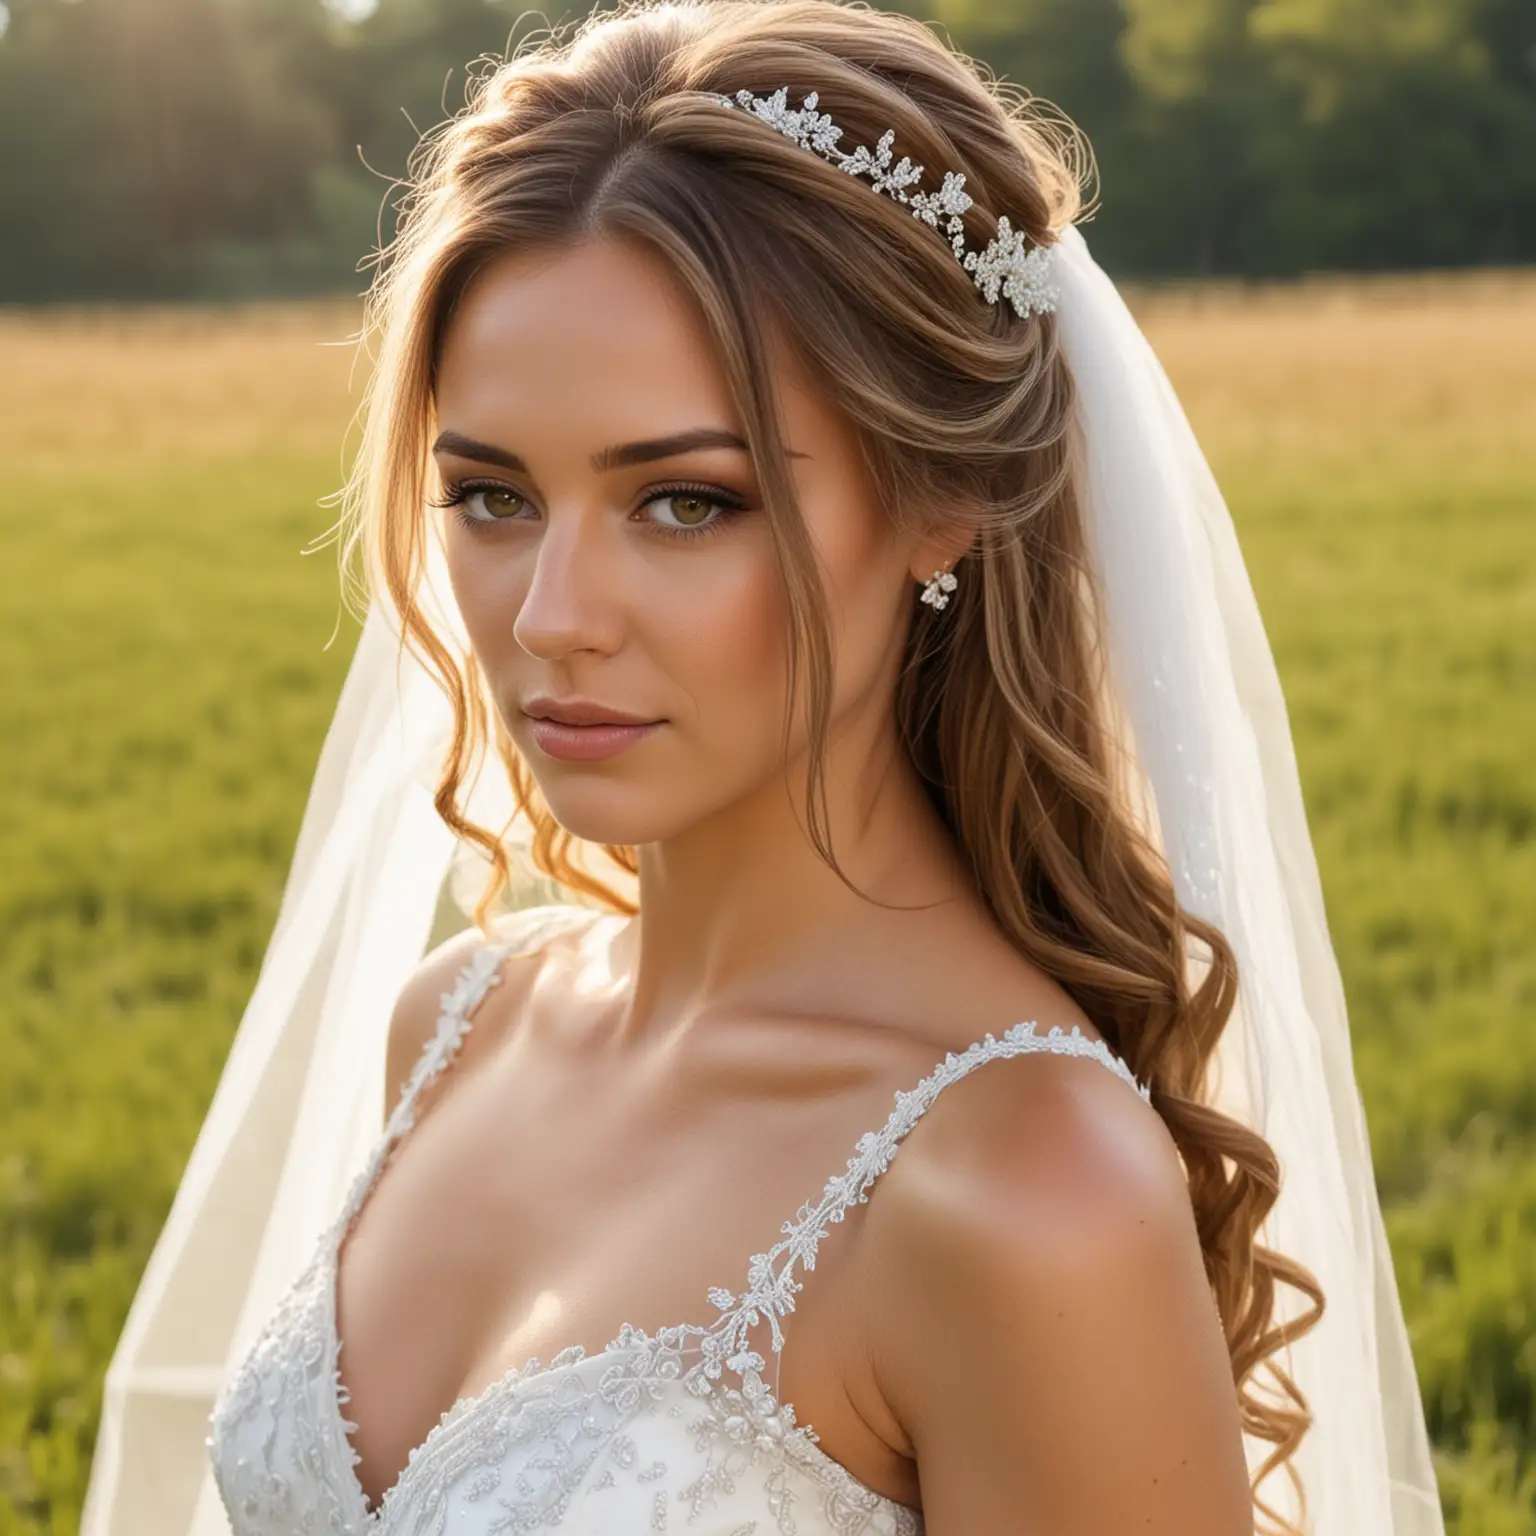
x=728, y=656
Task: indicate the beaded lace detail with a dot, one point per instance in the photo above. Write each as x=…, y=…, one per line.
x=633, y=1438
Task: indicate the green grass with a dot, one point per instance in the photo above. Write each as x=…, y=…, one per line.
x=166, y=689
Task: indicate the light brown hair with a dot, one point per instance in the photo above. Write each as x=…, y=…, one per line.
x=959, y=405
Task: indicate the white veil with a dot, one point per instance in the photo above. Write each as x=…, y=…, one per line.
x=300, y=1102
x=1198, y=683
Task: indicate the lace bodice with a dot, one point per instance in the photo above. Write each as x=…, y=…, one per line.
x=675, y=1430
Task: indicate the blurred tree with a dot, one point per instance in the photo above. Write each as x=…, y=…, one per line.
x=1201, y=97
x=1412, y=131
x=407, y=66
x=147, y=143
x=134, y=131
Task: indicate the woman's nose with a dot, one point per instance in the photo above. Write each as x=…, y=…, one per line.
x=573, y=600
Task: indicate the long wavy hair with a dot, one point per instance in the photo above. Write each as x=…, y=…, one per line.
x=963, y=411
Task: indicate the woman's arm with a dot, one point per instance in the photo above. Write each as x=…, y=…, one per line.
x=1052, y=1348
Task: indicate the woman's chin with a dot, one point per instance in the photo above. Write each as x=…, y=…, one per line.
x=614, y=813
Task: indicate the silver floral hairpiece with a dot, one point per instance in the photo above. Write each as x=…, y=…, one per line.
x=1022, y=276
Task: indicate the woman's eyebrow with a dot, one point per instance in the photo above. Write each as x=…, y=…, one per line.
x=619, y=457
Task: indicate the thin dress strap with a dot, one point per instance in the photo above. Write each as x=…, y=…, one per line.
x=771, y=1286
x=522, y=932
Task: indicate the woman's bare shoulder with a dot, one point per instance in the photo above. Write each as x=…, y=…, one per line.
x=1035, y=1144
x=1046, y=1315
x=527, y=936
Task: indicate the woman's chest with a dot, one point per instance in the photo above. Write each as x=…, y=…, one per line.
x=526, y=1216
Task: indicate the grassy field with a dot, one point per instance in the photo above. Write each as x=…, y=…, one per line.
x=167, y=685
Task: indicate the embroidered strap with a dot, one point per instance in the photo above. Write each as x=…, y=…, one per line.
x=771, y=1291
x=522, y=932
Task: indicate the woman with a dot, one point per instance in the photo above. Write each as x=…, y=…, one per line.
x=864, y=644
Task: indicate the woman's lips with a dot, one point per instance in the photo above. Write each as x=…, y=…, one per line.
x=585, y=743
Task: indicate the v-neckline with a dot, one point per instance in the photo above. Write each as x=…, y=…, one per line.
x=477, y=1402
x=481, y=972
x=629, y=1340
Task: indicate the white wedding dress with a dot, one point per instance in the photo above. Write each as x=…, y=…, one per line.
x=675, y=1430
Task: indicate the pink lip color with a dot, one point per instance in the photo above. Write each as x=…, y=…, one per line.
x=585, y=743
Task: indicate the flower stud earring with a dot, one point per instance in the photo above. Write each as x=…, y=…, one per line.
x=937, y=588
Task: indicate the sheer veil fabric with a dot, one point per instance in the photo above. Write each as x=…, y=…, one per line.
x=1211, y=771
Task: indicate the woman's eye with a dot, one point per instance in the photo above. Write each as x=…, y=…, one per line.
x=692, y=511
x=497, y=502
x=500, y=503
x=685, y=509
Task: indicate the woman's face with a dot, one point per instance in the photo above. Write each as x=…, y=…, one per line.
x=611, y=545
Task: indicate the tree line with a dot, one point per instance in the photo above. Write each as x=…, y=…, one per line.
x=167, y=148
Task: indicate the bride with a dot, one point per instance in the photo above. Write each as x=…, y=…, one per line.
x=781, y=539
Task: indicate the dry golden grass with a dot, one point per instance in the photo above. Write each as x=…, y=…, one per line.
x=1335, y=377
x=118, y=387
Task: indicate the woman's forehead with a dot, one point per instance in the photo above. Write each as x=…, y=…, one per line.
x=605, y=335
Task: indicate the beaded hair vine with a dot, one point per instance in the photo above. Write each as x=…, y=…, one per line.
x=1022, y=276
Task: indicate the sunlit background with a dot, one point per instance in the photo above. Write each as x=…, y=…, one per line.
x=1325, y=215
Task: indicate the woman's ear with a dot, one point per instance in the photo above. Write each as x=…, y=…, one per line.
x=939, y=550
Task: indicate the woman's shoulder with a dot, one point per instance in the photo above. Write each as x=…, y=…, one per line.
x=1033, y=1141
x=1025, y=1177
x=1042, y=1136
x=1041, y=1275
x=514, y=945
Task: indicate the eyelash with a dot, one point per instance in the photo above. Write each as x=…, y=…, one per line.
x=457, y=493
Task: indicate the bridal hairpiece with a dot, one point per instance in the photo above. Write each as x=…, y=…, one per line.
x=1022, y=276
